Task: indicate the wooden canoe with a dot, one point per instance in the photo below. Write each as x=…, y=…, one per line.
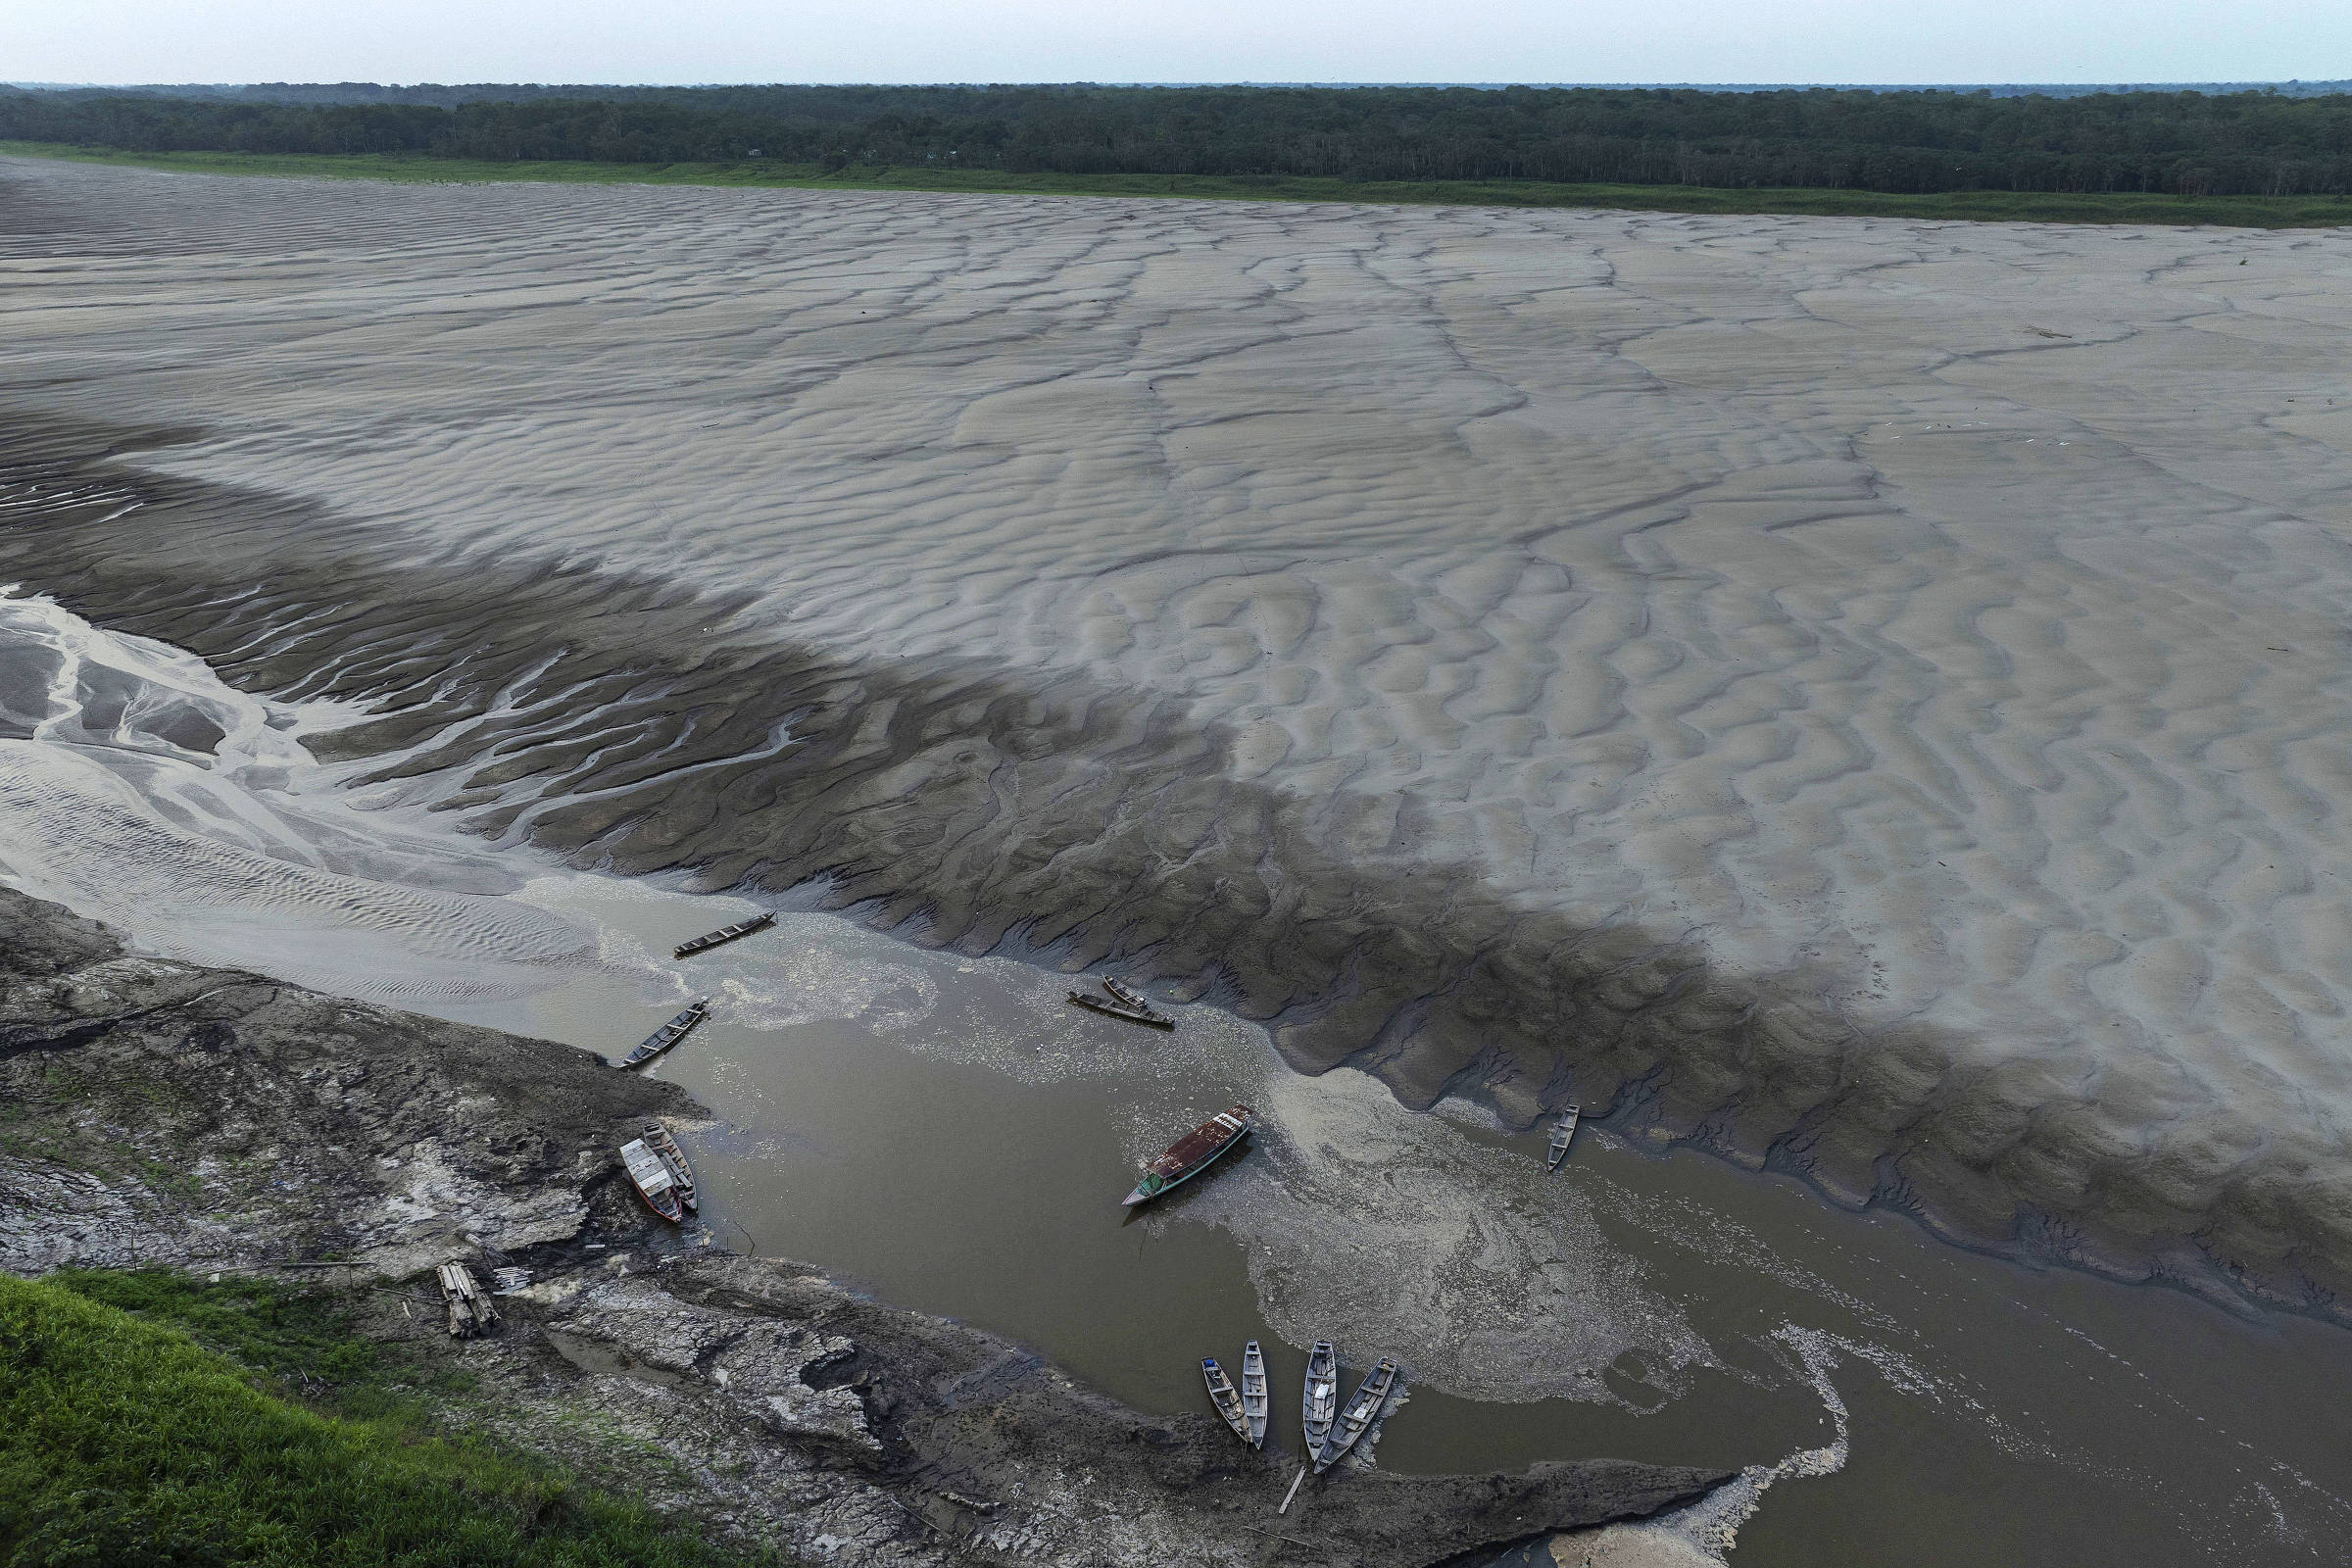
x=1253, y=1392
x=1321, y=1405
x=668, y=1035
x=1111, y=1009
x=650, y=1174
x=1221, y=1394
x=1130, y=998
x=1563, y=1131
x=726, y=933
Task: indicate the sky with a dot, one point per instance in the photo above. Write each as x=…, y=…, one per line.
x=1175, y=40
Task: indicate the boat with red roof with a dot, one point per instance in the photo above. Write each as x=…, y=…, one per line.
x=1188, y=1157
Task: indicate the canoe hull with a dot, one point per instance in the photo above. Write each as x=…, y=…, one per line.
x=1223, y=1396
x=668, y=1035
x=724, y=934
x=1319, y=1408
x=1563, y=1132
x=1150, y=1021
x=1255, y=1404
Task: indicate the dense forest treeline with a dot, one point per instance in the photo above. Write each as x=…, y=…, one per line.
x=2177, y=143
x=448, y=95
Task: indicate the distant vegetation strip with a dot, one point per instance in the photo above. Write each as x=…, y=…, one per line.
x=2184, y=144
x=124, y=1441
x=2241, y=212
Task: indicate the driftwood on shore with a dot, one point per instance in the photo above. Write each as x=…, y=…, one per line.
x=470, y=1310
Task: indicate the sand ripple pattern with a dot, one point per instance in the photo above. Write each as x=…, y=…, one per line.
x=137, y=786
x=1864, y=692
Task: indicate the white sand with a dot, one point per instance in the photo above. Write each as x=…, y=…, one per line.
x=1956, y=608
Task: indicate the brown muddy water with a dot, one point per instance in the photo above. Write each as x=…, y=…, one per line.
x=953, y=1135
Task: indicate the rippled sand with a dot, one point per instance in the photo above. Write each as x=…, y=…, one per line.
x=1862, y=692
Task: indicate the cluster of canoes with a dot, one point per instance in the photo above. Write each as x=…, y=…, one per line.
x=656, y=1166
x=679, y=1027
x=1330, y=1429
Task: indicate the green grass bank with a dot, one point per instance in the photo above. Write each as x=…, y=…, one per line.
x=2237, y=212
x=149, y=1419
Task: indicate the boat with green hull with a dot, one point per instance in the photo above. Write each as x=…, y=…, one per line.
x=1193, y=1153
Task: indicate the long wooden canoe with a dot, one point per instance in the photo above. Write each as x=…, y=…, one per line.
x=1111, y=1009
x=726, y=933
x=668, y=1035
x=1321, y=1405
x=1129, y=996
x=1253, y=1392
x=1221, y=1394
x=1562, y=1131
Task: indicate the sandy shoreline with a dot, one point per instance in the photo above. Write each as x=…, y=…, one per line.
x=1834, y=692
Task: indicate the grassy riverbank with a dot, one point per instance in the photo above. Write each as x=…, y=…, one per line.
x=149, y=1418
x=2245, y=212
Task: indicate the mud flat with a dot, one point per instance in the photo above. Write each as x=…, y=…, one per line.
x=164, y=1113
x=1854, y=694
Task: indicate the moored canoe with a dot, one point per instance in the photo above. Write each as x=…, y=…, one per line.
x=1321, y=1405
x=650, y=1174
x=1221, y=1393
x=726, y=933
x=1362, y=1410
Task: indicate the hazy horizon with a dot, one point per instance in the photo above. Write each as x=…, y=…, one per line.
x=1496, y=84
x=1787, y=42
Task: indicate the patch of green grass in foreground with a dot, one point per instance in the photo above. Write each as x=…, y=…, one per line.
x=1985, y=206
x=125, y=1444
